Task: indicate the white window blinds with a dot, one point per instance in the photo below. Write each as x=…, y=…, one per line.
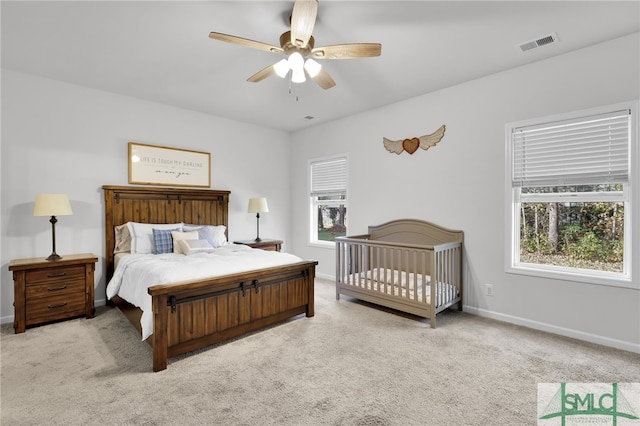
x=329, y=177
x=580, y=151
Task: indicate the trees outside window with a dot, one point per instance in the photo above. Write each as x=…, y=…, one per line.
x=568, y=233
x=331, y=212
x=328, y=199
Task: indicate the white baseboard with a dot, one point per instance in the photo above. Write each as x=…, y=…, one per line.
x=325, y=276
x=567, y=332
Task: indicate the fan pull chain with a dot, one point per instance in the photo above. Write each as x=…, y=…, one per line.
x=291, y=92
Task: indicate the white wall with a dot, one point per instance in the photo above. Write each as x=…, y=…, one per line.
x=460, y=182
x=58, y=137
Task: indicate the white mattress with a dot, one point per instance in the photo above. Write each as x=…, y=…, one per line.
x=399, y=284
x=407, y=280
x=135, y=273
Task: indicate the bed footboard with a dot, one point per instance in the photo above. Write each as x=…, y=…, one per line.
x=420, y=279
x=192, y=315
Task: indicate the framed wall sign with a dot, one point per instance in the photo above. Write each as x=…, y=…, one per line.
x=159, y=165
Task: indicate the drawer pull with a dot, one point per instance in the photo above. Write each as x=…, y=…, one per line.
x=56, y=288
x=57, y=306
x=59, y=274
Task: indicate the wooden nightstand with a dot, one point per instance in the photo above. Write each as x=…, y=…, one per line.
x=264, y=244
x=46, y=291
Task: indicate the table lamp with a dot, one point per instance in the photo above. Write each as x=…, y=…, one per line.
x=257, y=206
x=52, y=205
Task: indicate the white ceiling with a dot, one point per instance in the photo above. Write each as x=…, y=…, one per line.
x=160, y=51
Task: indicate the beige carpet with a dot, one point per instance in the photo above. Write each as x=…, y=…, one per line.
x=351, y=364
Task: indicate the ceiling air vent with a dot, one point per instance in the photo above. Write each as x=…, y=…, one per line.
x=542, y=41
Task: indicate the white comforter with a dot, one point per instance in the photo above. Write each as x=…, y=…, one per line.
x=137, y=272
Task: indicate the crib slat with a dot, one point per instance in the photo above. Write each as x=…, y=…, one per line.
x=377, y=269
x=409, y=274
x=423, y=280
x=442, y=267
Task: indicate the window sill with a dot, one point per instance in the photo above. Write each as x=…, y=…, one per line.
x=327, y=245
x=591, y=277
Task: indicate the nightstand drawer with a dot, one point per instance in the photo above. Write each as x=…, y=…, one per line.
x=55, y=288
x=54, y=307
x=54, y=274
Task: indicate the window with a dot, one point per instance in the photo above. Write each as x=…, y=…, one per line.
x=570, y=195
x=328, y=193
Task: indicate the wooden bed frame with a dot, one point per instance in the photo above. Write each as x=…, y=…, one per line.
x=193, y=314
x=409, y=248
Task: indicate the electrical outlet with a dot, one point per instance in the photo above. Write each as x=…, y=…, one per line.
x=488, y=289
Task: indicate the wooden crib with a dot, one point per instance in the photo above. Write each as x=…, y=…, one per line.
x=410, y=265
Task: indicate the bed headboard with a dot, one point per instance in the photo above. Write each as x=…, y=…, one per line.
x=124, y=204
x=414, y=231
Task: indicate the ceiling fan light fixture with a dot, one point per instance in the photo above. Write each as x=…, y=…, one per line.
x=298, y=44
x=281, y=68
x=312, y=67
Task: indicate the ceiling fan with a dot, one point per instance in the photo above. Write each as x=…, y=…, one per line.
x=299, y=46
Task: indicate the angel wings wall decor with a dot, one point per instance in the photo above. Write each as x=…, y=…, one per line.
x=411, y=145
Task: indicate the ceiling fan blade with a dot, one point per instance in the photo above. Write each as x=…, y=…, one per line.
x=262, y=74
x=303, y=19
x=245, y=42
x=347, y=51
x=324, y=80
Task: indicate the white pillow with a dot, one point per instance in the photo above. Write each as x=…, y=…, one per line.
x=214, y=234
x=195, y=246
x=218, y=235
x=177, y=236
x=142, y=235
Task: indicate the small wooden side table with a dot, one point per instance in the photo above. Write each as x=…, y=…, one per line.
x=264, y=244
x=46, y=290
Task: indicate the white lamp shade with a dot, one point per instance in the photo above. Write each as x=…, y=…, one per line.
x=312, y=67
x=258, y=205
x=52, y=205
x=296, y=63
x=297, y=75
x=281, y=68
